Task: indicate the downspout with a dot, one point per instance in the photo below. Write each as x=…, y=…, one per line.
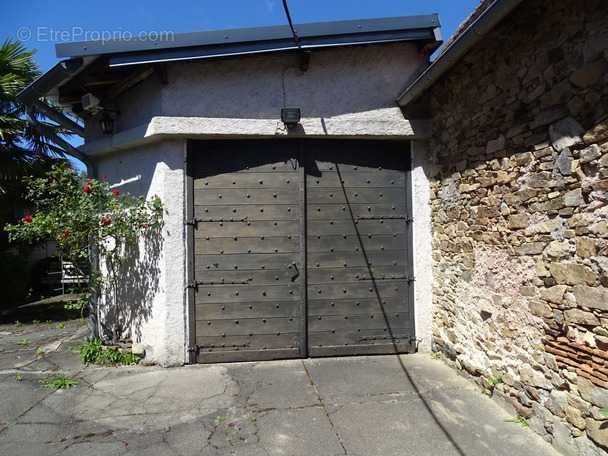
x=459, y=47
x=58, y=117
x=31, y=95
x=54, y=137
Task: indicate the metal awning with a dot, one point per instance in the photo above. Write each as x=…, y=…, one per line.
x=168, y=46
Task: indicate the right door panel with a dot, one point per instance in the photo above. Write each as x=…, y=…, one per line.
x=358, y=242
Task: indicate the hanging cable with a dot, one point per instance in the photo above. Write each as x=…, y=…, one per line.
x=295, y=35
x=304, y=55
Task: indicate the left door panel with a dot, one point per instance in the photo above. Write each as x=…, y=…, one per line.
x=247, y=223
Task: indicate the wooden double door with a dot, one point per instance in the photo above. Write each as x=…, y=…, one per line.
x=299, y=248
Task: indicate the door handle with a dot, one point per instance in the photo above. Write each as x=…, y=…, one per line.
x=295, y=265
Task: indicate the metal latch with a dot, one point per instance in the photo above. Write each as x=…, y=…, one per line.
x=295, y=265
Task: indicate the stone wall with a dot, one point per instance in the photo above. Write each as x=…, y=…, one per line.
x=519, y=199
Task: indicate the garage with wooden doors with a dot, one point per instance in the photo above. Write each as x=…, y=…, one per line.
x=299, y=248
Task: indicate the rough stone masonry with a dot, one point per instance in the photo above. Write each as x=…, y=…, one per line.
x=519, y=197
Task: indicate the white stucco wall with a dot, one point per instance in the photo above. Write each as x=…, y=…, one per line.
x=423, y=270
x=347, y=92
x=157, y=296
x=354, y=84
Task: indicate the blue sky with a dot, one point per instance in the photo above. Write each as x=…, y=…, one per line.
x=42, y=23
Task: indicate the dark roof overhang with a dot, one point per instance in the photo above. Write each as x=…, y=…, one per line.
x=169, y=47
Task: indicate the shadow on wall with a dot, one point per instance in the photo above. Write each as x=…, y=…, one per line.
x=136, y=288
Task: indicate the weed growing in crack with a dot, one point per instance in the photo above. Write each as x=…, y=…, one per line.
x=229, y=439
x=495, y=380
x=520, y=419
x=435, y=355
x=39, y=351
x=59, y=382
x=93, y=352
x=23, y=342
x=18, y=377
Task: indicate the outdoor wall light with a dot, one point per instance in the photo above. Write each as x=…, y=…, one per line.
x=290, y=116
x=107, y=123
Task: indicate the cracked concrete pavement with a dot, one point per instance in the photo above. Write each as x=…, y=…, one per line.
x=356, y=406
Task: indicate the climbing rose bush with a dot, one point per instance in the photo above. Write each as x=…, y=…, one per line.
x=84, y=215
x=77, y=216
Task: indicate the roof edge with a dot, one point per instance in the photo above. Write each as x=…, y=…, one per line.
x=128, y=43
x=56, y=75
x=458, y=48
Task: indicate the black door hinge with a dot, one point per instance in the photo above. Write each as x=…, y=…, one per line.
x=193, y=222
x=194, y=285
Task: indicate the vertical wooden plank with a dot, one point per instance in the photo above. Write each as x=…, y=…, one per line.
x=303, y=266
x=190, y=157
x=409, y=205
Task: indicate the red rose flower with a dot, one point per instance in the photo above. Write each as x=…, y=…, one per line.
x=144, y=226
x=65, y=233
x=28, y=219
x=104, y=176
x=106, y=221
x=86, y=188
x=116, y=192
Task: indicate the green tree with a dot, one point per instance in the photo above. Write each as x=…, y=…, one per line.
x=23, y=152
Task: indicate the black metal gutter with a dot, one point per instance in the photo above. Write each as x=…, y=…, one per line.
x=458, y=48
x=50, y=80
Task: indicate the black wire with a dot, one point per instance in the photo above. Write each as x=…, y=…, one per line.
x=295, y=35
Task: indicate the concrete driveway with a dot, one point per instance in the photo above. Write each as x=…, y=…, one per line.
x=358, y=406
